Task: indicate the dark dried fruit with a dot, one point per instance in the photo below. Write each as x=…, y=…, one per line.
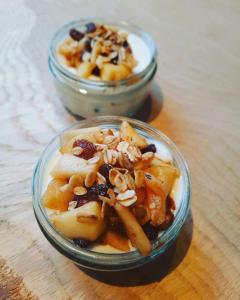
x=96, y=71
x=104, y=170
x=88, y=46
x=151, y=231
x=89, y=149
x=98, y=190
x=149, y=148
x=91, y=27
x=81, y=243
x=76, y=35
x=170, y=203
x=125, y=44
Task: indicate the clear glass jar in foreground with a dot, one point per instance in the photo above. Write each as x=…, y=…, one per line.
x=85, y=97
x=102, y=261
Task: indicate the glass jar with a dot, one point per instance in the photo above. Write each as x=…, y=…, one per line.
x=83, y=97
x=103, y=261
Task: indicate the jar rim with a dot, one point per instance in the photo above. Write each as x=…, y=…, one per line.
x=106, y=261
x=96, y=83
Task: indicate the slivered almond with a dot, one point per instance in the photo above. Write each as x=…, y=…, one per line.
x=79, y=190
x=90, y=179
x=75, y=180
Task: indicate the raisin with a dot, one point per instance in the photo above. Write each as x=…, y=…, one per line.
x=125, y=44
x=81, y=243
x=88, y=46
x=96, y=71
x=104, y=170
x=149, y=148
x=76, y=35
x=89, y=149
x=151, y=231
x=91, y=27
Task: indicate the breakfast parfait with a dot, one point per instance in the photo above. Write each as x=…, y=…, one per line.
x=100, y=52
x=110, y=187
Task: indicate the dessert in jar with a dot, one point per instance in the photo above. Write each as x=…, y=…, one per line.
x=102, y=67
x=112, y=190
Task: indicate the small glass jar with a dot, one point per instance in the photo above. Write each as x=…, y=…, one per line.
x=84, y=97
x=103, y=261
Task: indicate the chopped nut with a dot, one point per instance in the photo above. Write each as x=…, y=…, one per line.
x=90, y=179
x=124, y=161
x=110, y=157
x=107, y=200
x=109, y=139
x=75, y=180
x=77, y=151
x=79, y=190
x=65, y=188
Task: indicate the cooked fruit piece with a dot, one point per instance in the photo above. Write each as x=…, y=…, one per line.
x=159, y=182
x=84, y=222
x=92, y=134
x=85, y=69
x=114, y=72
x=134, y=230
x=116, y=240
x=129, y=135
x=69, y=165
x=54, y=198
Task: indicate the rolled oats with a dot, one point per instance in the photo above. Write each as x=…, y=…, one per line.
x=77, y=151
x=79, y=190
x=90, y=179
x=129, y=202
x=126, y=195
x=130, y=181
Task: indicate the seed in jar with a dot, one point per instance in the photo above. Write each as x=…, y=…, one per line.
x=89, y=149
x=76, y=35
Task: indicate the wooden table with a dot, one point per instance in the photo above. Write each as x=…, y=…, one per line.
x=199, y=76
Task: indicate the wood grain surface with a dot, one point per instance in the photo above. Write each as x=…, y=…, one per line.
x=196, y=102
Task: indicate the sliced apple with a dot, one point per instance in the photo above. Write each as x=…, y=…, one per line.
x=129, y=134
x=134, y=230
x=84, y=222
x=69, y=165
x=92, y=134
x=54, y=198
x=116, y=240
x=159, y=181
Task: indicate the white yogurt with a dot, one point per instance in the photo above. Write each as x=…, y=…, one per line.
x=162, y=152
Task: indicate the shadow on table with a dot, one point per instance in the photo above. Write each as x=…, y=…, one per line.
x=151, y=106
x=155, y=270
